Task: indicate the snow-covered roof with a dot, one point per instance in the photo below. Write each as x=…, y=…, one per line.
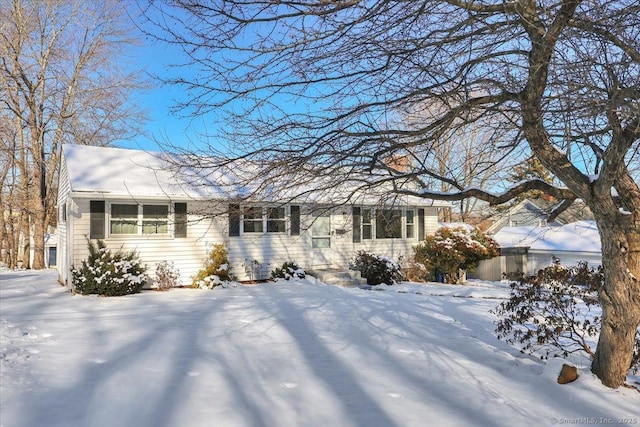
x=137, y=173
x=457, y=224
x=579, y=236
x=121, y=172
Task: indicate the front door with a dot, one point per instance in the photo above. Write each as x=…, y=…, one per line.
x=321, y=240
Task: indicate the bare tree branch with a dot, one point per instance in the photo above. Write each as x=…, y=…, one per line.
x=323, y=91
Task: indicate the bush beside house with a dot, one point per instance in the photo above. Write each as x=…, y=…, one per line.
x=376, y=269
x=216, y=269
x=556, y=312
x=451, y=250
x=167, y=275
x=109, y=274
x=289, y=270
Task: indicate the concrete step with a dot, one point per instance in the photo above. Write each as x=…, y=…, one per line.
x=338, y=277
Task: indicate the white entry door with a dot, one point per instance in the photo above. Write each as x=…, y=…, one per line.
x=321, y=240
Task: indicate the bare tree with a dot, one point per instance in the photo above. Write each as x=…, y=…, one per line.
x=466, y=158
x=318, y=87
x=61, y=81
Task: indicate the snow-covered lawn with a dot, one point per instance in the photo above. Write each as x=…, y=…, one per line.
x=279, y=354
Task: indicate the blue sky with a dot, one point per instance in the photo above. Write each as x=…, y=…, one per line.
x=156, y=57
x=157, y=101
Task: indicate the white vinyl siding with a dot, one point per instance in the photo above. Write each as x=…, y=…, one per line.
x=65, y=226
x=188, y=253
x=248, y=253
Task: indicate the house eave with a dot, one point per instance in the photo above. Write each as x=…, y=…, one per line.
x=108, y=195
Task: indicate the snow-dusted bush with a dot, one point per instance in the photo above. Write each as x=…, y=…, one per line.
x=450, y=250
x=216, y=269
x=555, y=313
x=109, y=274
x=376, y=269
x=288, y=271
x=167, y=275
x=414, y=271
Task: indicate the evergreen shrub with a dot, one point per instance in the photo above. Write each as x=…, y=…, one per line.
x=376, y=269
x=107, y=273
x=288, y=271
x=216, y=269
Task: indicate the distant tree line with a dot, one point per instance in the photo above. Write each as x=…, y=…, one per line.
x=62, y=80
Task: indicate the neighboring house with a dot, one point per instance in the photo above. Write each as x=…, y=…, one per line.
x=527, y=249
x=50, y=249
x=131, y=200
x=26, y=251
x=535, y=213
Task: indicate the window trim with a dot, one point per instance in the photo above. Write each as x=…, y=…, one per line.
x=411, y=224
x=365, y=220
x=258, y=221
x=139, y=220
x=180, y=220
x=289, y=222
x=271, y=221
x=97, y=219
x=368, y=222
x=151, y=219
x=380, y=214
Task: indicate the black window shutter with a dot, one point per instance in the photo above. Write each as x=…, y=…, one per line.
x=234, y=220
x=97, y=219
x=295, y=220
x=420, y=225
x=357, y=222
x=180, y=218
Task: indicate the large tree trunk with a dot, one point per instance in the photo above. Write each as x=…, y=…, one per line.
x=39, y=231
x=38, y=199
x=619, y=298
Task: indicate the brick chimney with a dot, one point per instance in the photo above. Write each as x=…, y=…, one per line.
x=401, y=163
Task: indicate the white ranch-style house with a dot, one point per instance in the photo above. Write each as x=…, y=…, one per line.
x=132, y=200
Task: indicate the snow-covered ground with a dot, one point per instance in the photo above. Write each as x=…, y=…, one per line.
x=280, y=354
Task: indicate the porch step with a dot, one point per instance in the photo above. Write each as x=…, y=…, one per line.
x=334, y=276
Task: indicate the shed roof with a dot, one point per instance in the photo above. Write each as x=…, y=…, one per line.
x=579, y=236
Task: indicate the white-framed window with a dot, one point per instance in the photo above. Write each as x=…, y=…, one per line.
x=367, y=224
x=260, y=219
x=276, y=220
x=62, y=215
x=388, y=224
x=124, y=219
x=410, y=224
x=252, y=220
x=138, y=219
x=381, y=224
x=155, y=219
